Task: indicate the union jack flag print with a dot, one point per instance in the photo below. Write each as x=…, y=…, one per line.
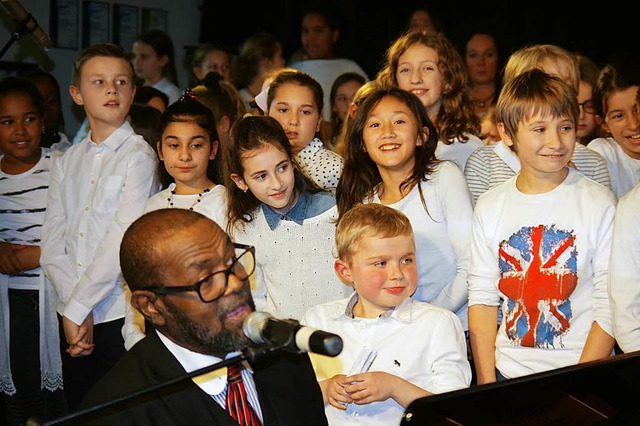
x=538, y=274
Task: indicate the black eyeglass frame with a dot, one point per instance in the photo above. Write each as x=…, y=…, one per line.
x=162, y=291
x=591, y=109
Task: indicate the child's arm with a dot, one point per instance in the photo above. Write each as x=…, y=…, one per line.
x=376, y=386
x=600, y=341
x=476, y=173
x=484, y=297
x=53, y=257
x=29, y=257
x=458, y=211
x=101, y=277
x=483, y=330
x=333, y=392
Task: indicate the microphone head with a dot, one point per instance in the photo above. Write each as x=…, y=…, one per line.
x=253, y=326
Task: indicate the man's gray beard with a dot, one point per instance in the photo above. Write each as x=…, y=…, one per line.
x=201, y=339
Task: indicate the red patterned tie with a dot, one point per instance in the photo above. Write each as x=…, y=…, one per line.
x=237, y=404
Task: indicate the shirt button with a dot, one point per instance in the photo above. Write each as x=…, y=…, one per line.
x=93, y=181
x=79, y=263
x=81, y=234
x=86, y=209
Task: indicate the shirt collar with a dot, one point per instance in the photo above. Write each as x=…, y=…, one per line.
x=508, y=156
x=115, y=139
x=297, y=214
x=213, y=382
x=354, y=299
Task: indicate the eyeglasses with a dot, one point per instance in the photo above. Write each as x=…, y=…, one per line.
x=588, y=106
x=213, y=286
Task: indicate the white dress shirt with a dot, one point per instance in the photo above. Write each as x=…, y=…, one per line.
x=96, y=191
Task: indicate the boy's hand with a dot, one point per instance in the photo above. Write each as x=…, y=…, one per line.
x=9, y=262
x=334, y=391
x=79, y=337
x=368, y=387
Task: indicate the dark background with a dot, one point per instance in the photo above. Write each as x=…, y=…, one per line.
x=609, y=32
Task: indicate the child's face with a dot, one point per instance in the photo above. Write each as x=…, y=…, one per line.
x=489, y=130
x=268, y=174
x=215, y=60
x=146, y=62
x=544, y=145
x=344, y=96
x=418, y=73
x=295, y=108
x=105, y=90
x=391, y=136
x=186, y=149
x=20, y=129
x=587, y=120
x=317, y=37
x=622, y=120
x=50, y=102
x=383, y=271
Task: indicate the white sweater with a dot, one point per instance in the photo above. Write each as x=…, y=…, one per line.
x=294, y=263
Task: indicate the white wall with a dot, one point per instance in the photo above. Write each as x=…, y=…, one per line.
x=183, y=26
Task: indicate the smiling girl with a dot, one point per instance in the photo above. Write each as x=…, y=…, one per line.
x=289, y=220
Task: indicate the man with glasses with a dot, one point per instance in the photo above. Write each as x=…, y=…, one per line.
x=192, y=284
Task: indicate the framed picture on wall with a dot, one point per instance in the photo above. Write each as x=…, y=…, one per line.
x=95, y=23
x=154, y=19
x=65, y=23
x=125, y=25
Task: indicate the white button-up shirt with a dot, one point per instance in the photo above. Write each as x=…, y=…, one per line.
x=96, y=191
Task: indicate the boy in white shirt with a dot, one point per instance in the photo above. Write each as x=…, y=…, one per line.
x=415, y=349
x=97, y=189
x=540, y=242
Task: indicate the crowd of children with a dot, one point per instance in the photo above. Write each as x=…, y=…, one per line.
x=444, y=260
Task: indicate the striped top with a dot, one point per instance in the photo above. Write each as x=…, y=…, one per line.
x=491, y=165
x=23, y=201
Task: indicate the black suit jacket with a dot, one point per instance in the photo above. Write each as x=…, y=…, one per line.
x=286, y=384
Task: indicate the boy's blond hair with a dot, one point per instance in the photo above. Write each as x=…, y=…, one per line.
x=530, y=57
x=108, y=50
x=531, y=93
x=367, y=220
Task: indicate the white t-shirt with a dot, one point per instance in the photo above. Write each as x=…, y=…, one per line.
x=326, y=71
x=419, y=342
x=458, y=152
x=547, y=257
x=623, y=170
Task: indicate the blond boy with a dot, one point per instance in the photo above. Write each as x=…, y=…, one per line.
x=415, y=349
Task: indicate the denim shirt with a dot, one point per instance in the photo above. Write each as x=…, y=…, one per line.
x=309, y=204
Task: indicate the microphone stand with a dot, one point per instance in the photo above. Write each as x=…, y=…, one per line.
x=21, y=29
x=250, y=353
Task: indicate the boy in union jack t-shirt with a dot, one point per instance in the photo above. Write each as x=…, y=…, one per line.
x=540, y=244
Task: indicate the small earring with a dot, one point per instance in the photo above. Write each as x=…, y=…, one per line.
x=245, y=190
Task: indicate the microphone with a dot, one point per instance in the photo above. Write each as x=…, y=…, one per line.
x=25, y=18
x=260, y=327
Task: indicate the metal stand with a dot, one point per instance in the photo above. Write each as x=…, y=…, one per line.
x=21, y=29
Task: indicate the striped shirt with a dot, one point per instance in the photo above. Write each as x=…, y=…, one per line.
x=23, y=201
x=491, y=165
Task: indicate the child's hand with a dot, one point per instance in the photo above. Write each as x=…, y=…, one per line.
x=334, y=392
x=9, y=262
x=365, y=388
x=79, y=337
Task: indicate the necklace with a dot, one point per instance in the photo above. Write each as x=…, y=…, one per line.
x=200, y=195
x=483, y=102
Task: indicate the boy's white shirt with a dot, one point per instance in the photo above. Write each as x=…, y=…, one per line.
x=96, y=191
x=436, y=361
x=506, y=218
